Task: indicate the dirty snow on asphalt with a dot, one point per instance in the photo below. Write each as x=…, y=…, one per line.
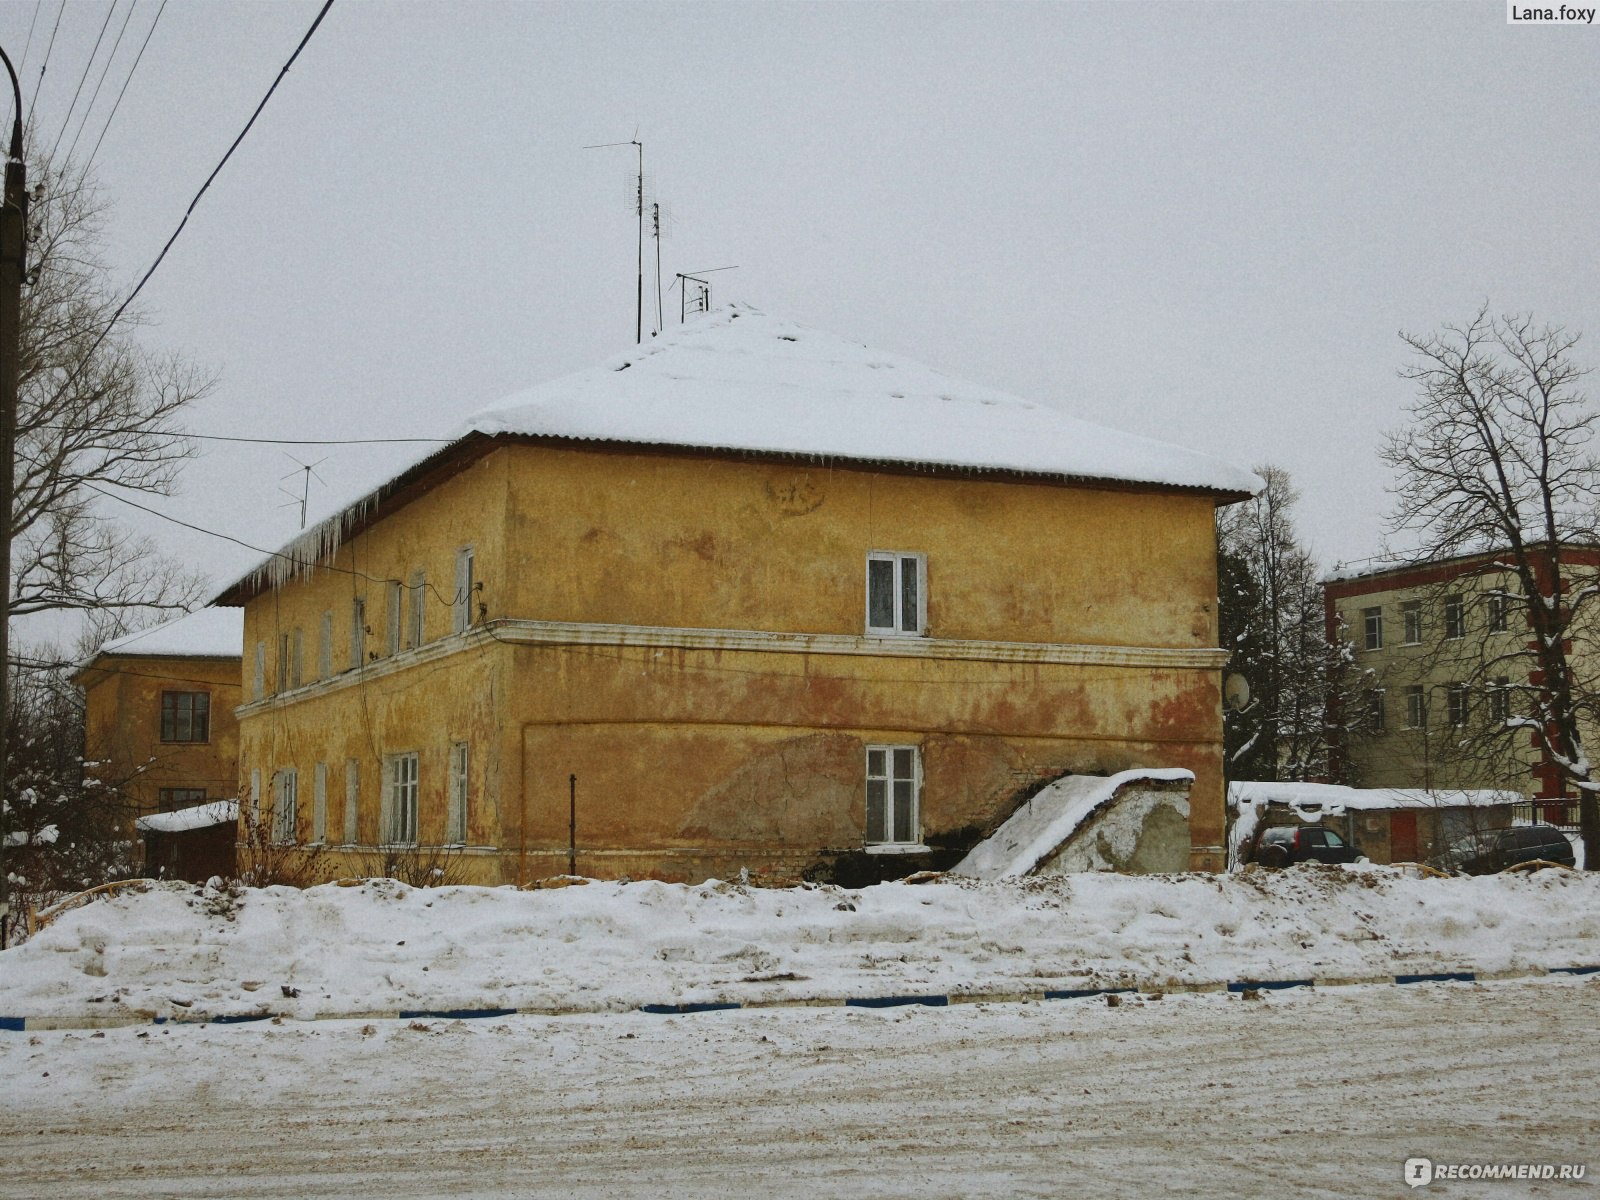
x=1302, y=1093
x=178, y=951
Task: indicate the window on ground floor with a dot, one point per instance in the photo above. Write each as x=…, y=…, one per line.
x=284, y=802
x=180, y=797
x=456, y=825
x=894, y=781
x=400, y=799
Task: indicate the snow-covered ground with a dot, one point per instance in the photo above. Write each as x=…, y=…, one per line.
x=1303, y=1092
x=181, y=952
x=1295, y=1094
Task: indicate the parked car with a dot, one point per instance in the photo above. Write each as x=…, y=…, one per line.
x=1485, y=851
x=1283, y=845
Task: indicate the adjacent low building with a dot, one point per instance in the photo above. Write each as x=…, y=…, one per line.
x=749, y=597
x=159, y=725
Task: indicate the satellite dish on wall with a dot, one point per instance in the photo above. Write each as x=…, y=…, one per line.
x=1236, y=691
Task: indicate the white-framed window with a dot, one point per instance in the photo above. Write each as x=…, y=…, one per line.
x=319, y=803
x=297, y=659
x=325, y=646
x=1500, y=699
x=1372, y=627
x=1411, y=622
x=1416, y=707
x=1499, y=605
x=1375, y=718
x=456, y=823
x=1456, y=703
x=897, y=602
x=400, y=799
x=1455, y=617
x=352, y=801
x=396, y=616
x=283, y=662
x=416, y=615
x=286, y=785
x=461, y=608
x=260, y=686
x=894, y=786
x=358, y=632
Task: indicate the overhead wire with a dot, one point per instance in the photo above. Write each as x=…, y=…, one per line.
x=118, y=104
x=269, y=441
x=44, y=66
x=78, y=91
x=188, y=212
x=104, y=71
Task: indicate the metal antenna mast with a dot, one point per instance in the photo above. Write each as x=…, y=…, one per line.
x=639, y=206
x=702, y=298
x=305, y=471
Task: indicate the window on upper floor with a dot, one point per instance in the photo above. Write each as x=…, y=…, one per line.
x=461, y=605
x=1411, y=622
x=1455, y=617
x=1372, y=627
x=185, y=716
x=283, y=662
x=325, y=646
x=416, y=613
x=358, y=632
x=1416, y=707
x=297, y=657
x=260, y=683
x=896, y=593
x=894, y=786
x=396, y=616
x=1499, y=606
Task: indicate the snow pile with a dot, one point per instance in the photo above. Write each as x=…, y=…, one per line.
x=177, y=950
x=208, y=633
x=201, y=816
x=1049, y=818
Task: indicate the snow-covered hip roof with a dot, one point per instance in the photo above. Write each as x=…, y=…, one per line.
x=208, y=633
x=738, y=379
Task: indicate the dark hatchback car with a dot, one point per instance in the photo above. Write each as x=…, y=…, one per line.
x=1490, y=850
x=1284, y=845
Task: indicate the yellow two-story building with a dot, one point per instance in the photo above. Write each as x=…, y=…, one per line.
x=749, y=597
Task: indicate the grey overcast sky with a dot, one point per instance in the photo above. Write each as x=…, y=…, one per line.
x=1200, y=222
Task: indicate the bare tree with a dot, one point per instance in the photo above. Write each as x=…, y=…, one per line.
x=95, y=411
x=1496, y=469
x=1277, y=640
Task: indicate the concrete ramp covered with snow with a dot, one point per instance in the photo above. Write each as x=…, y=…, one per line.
x=1135, y=822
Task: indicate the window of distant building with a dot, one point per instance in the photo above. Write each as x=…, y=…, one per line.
x=1372, y=627
x=1456, y=703
x=1411, y=622
x=1416, y=707
x=180, y=797
x=1374, y=715
x=1500, y=699
x=1499, y=612
x=185, y=716
x=1455, y=617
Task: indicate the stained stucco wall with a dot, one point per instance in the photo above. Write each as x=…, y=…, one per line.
x=695, y=756
x=122, y=715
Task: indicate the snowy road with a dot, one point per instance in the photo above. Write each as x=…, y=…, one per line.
x=1302, y=1093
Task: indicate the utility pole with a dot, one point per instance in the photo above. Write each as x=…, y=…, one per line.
x=13, y=266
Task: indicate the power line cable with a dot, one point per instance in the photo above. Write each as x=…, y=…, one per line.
x=145, y=278
x=125, y=84
x=104, y=71
x=39, y=87
x=78, y=91
x=266, y=441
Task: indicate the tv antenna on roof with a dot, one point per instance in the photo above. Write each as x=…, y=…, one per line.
x=698, y=298
x=642, y=209
x=305, y=471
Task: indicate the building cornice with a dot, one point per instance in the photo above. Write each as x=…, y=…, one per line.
x=583, y=633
